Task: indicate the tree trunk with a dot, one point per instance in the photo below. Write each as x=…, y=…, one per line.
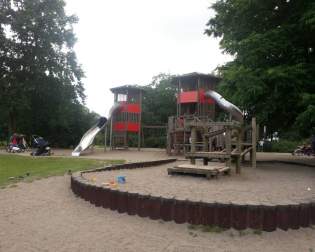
x=12, y=122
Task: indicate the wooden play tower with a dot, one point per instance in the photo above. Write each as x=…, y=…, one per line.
x=207, y=129
x=126, y=124
x=191, y=105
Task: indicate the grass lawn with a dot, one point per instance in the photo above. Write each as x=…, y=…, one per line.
x=13, y=168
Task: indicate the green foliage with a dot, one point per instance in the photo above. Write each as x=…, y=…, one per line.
x=16, y=167
x=274, y=59
x=206, y=228
x=257, y=231
x=159, y=103
x=41, y=89
x=283, y=145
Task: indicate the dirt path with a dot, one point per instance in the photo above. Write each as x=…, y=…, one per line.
x=146, y=154
x=46, y=216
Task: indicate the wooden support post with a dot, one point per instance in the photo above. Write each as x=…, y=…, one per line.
x=193, y=139
x=193, y=136
x=105, y=138
x=239, y=150
x=205, y=142
x=111, y=134
x=228, y=146
x=184, y=141
x=254, y=141
x=142, y=138
x=140, y=123
x=198, y=98
x=178, y=97
x=205, y=161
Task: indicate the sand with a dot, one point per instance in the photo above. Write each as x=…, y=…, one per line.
x=46, y=216
x=267, y=184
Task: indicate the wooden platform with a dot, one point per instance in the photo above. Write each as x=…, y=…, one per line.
x=209, y=171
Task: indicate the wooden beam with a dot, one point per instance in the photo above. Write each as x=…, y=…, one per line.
x=228, y=146
x=140, y=119
x=105, y=138
x=111, y=134
x=154, y=127
x=193, y=139
x=215, y=133
x=254, y=141
x=246, y=151
x=238, y=149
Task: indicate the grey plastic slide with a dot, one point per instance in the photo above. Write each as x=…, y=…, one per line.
x=89, y=136
x=226, y=105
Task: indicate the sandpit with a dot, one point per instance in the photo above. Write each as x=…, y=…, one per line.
x=268, y=184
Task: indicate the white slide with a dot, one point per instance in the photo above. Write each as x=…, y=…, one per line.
x=226, y=105
x=89, y=136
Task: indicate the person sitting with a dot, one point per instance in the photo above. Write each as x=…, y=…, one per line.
x=14, y=140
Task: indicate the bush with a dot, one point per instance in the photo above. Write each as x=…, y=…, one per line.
x=284, y=145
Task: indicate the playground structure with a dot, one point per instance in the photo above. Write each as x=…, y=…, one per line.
x=88, y=137
x=196, y=132
x=127, y=121
x=191, y=105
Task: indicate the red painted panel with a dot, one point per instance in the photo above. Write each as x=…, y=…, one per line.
x=192, y=96
x=204, y=99
x=133, y=127
x=129, y=126
x=133, y=108
x=130, y=107
x=187, y=97
x=119, y=126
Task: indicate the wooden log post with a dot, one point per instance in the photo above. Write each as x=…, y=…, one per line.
x=111, y=134
x=205, y=141
x=193, y=143
x=239, y=150
x=105, y=138
x=140, y=121
x=168, y=144
x=228, y=146
x=254, y=141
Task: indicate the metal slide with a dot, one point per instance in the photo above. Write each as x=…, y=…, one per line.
x=226, y=105
x=89, y=136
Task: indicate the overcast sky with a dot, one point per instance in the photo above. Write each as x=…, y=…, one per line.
x=128, y=42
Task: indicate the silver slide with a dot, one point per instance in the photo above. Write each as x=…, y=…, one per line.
x=89, y=136
x=226, y=105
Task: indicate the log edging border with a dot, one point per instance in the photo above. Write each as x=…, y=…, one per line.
x=224, y=215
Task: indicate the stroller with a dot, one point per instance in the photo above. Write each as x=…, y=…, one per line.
x=41, y=145
x=17, y=144
x=303, y=150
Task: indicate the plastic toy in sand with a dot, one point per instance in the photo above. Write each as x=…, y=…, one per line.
x=121, y=179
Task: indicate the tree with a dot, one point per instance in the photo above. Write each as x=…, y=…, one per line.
x=273, y=71
x=40, y=78
x=159, y=102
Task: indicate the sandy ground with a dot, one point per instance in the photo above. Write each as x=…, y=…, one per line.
x=46, y=216
x=267, y=184
x=131, y=155
x=146, y=154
